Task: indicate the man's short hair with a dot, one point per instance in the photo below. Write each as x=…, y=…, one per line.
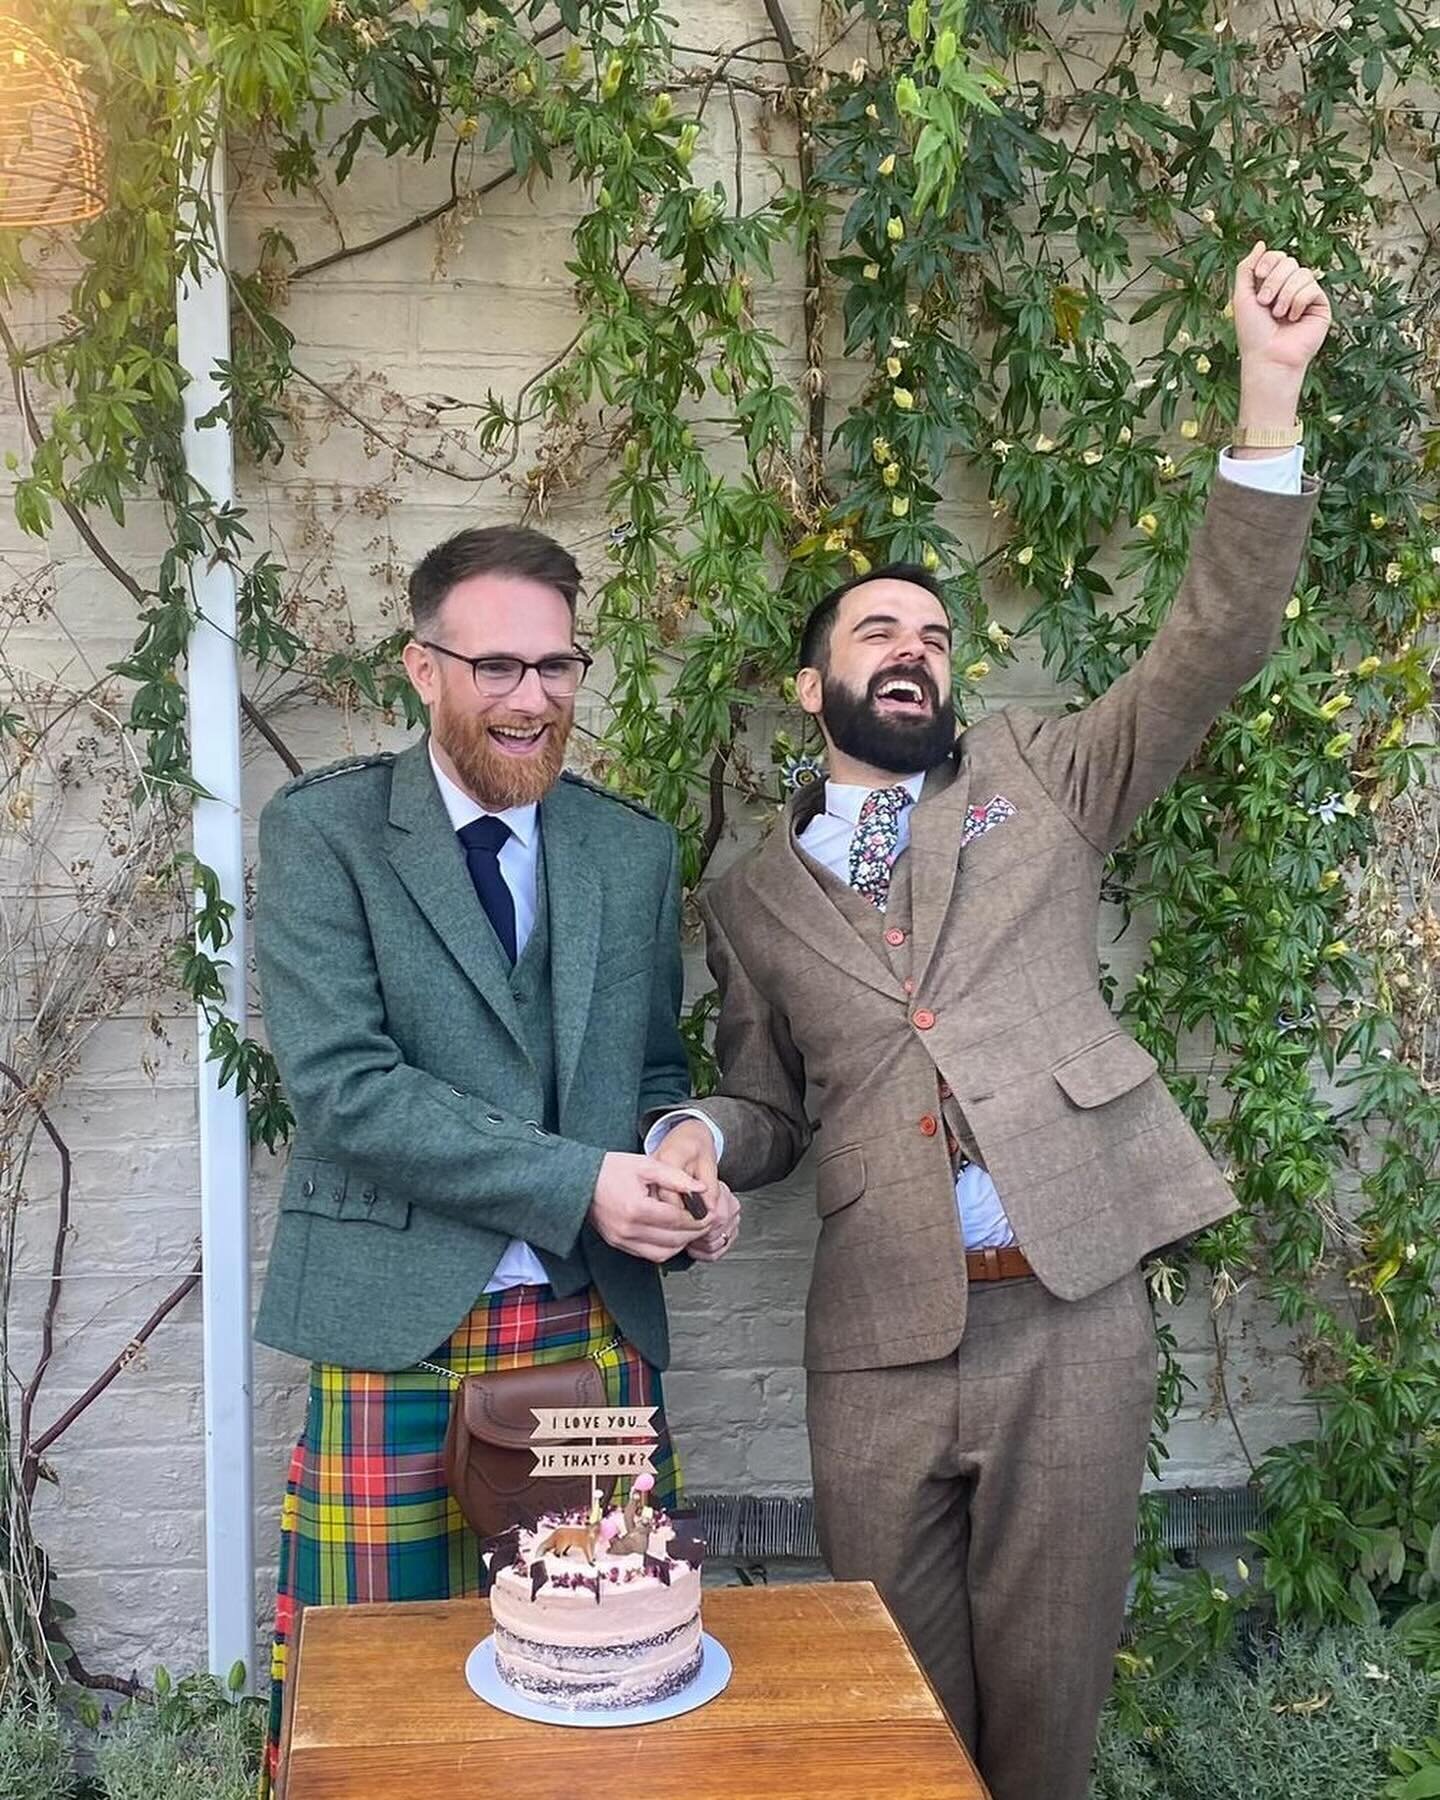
x=489, y=550
x=815, y=639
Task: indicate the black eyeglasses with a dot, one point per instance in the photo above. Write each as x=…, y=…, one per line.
x=496, y=676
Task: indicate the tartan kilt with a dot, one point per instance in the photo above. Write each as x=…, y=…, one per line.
x=367, y=1515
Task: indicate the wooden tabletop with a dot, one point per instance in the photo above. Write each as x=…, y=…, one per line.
x=826, y=1703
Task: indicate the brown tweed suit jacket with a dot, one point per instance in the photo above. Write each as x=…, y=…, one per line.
x=995, y=990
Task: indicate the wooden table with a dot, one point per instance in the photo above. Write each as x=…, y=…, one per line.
x=826, y=1703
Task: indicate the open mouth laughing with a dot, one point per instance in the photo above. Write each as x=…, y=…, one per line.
x=902, y=697
x=519, y=740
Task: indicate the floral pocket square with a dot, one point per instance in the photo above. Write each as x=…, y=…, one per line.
x=980, y=819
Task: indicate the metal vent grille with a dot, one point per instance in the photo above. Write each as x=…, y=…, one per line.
x=751, y=1527
x=1209, y=1518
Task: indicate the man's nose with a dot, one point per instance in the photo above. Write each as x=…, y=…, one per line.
x=529, y=696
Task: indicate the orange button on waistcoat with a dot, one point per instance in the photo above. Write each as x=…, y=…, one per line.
x=929, y=1125
x=895, y=937
x=923, y=1020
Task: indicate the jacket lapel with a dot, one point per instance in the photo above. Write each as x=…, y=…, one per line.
x=574, y=895
x=427, y=857
x=786, y=884
x=935, y=828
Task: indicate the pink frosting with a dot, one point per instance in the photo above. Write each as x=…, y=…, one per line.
x=633, y=1605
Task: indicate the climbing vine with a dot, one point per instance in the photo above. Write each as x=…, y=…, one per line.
x=1007, y=235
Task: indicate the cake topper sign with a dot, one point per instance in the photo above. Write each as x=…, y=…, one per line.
x=570, y=1441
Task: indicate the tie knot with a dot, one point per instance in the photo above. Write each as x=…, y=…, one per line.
x=884, y=804
x=488, y=834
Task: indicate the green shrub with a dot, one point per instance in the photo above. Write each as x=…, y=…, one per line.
x=193, y=1742
x=36, y=1762
x=1314, y=1718
x=189, y=1742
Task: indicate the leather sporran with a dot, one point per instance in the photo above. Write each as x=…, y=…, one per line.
x=489, y=1455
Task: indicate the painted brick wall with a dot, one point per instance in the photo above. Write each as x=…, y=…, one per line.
x=123, y=1518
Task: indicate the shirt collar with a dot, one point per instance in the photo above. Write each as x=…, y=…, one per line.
x=843, y=800
x=463, y=809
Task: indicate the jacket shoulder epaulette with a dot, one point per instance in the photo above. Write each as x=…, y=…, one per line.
x=348, y=765
x=606, y=793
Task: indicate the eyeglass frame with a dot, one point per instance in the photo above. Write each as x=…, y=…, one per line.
x=583, y=657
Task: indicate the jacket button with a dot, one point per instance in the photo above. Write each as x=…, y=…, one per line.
x=307, y=1188
x=895, y=937
x=368, y=1194
x=494, y=1118
x=923, y=1019
x=908, y=985
x=929, y=1125
x=946, y=1091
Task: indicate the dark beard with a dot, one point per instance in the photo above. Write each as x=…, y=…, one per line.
x=498, y=781
x=899, y=746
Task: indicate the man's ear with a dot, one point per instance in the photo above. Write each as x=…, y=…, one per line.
x=420, y=667
x=809, y=685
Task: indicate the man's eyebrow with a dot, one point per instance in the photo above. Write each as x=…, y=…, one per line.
x=942, y=625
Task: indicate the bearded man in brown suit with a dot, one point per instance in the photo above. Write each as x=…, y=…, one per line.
x=909, y=969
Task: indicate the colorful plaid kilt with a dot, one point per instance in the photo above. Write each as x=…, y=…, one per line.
x=367, y=1514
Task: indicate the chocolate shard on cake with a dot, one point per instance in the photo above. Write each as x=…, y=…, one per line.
x=497, y=1553
x=687, y=1544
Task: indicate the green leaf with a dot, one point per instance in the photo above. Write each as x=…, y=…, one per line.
x=1364, y=1609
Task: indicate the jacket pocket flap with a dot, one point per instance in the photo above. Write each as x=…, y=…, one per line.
x=330, y=1192
x=313, y=1186
x=1105, y=1070
x=375, y=1208
x=499, y=1408
x=839, y=1179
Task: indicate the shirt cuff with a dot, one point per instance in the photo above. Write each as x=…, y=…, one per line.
x=662, y=1128
x=1266, y=474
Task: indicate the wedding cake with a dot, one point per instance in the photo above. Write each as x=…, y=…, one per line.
x=598, y=1613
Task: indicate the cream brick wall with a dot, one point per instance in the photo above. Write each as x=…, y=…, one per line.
x=123, y=1517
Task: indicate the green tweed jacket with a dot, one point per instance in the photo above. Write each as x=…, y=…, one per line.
x=418, y=1151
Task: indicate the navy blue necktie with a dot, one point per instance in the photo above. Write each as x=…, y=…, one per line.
x=483, y=840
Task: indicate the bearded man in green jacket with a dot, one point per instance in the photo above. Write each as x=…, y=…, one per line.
x=471, y=974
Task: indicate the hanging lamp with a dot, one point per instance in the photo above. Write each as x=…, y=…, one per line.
x=51, y=167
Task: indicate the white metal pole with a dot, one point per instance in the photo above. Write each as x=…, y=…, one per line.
x=203, y=322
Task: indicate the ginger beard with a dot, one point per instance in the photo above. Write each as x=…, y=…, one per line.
x=500, y=777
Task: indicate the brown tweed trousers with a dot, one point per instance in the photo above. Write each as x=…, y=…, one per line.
x=978, y=1452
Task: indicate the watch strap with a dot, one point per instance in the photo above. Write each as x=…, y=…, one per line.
x=1267, y=437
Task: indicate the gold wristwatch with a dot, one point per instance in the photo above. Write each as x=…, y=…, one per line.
x=1266, y=437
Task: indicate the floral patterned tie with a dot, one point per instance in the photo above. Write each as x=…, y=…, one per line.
x=872, y=849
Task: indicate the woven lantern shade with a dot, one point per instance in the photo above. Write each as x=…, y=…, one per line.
x=50, y=164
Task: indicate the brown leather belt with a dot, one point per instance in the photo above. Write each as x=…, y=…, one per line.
x=997, y=1265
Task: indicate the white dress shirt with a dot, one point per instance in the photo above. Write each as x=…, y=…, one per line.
x=828, y=836
x=519, y=1266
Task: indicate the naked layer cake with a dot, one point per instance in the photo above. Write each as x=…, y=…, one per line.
x=598, y=1614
